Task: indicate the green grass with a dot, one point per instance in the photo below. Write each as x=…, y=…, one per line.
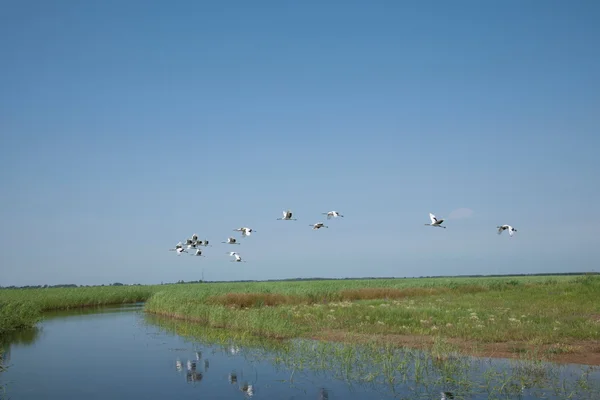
x=533, y=309
x=15, y=315
x=66, y=298
x=23, y=308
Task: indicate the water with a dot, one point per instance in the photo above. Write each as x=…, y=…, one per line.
x=120, y=353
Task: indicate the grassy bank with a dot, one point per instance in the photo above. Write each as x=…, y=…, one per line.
x=23, y=308
x=500, y=315
x=559, y=315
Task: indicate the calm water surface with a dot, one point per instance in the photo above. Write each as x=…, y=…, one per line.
x=120, y=353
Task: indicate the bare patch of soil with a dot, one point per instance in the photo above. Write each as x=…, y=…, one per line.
x=576, y=352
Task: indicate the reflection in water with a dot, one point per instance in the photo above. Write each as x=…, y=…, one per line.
x=393, y=372
x=247, y=389
x=193, y=375
x=106, y=309
x=299, y=369
x=323, y=394
x=24, y=337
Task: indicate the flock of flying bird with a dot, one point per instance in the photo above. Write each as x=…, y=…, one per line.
x=194, y=242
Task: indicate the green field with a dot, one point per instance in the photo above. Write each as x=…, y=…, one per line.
x=558, y=313
x=21, y=308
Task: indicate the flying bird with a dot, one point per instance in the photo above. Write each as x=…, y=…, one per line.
x=245, y=231
x=333, y=214
x=287, y=216
x=237, y=257
x=502, y=228
x=318, y=225
x=197, y=253
x=231, y=240
x=177, y=247
x=435, y=221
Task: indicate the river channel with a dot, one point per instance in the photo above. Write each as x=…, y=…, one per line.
x=122, y=353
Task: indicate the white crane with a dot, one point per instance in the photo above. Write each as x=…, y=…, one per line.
x=180, y=250
x=435, y=221
x=245, y=231
x=231, y=240
x=510, y=229
x=194, y=237
x=319, y=225
x=237, y=256
x=177, y=247
x=333, y=214
x=197, y=253
x=287, y=216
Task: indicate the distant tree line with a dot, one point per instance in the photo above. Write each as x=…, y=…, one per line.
x=72, y=285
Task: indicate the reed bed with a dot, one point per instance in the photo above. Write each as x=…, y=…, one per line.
x=23, y=308
x=540, y=311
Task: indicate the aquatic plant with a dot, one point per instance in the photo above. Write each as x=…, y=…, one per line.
x=397, y=371
x=16, y=315
x=23, y=308
x=513, y=312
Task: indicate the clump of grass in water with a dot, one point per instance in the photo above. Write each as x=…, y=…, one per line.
x=17, y=315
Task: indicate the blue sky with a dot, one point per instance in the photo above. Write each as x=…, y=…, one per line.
x=127, y=126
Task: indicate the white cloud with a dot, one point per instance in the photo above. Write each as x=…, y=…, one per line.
x=460, y=213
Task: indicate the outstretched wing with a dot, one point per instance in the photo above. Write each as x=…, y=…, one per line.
x=433, y=218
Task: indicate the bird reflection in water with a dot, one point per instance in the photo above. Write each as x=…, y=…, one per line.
x=247, y=389
x=192, y=373
x=191, y=365
x=323, y=394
